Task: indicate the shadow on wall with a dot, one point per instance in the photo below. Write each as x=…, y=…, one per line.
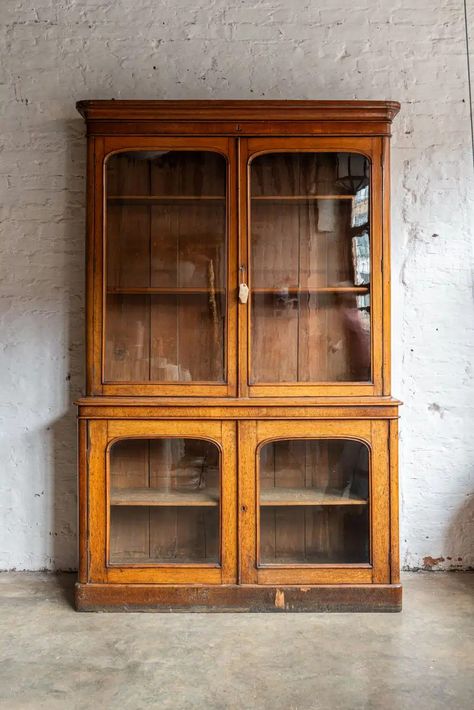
x=63, y=550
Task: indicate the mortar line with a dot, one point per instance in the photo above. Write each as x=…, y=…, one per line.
x=469, y=85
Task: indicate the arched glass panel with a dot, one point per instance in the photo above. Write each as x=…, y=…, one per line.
x=314, y=502
x=310, y=268
x=166, y=253
x=164, y=501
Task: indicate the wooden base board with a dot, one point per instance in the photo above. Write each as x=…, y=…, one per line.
x=234, y=598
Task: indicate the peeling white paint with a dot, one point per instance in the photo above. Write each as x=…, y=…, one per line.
x=56, y=52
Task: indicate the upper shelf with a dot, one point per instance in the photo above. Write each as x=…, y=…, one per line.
x=299, y=198
x=196, y=290
x=160, y=199
x=312, y=289
x=163, y=291
x=151, y=199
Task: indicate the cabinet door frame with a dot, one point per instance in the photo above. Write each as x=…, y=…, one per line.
x=99, y=149
x=252, y=435
x=102, y=434
x=377, y=152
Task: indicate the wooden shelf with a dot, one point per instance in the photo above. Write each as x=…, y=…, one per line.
x=298, y=198
x=208, y=498
x=305, y=496
x=315, y=289
x=147, y=199
x=166, y=291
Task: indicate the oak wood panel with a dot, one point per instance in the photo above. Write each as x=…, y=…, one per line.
x=386, y=268
x=361, y=402
x=247, y=444
x=97, y=496
x=380, y=495
x=333, y=406
x=194, y=129
x=353, y=597
x=92, y=364
x=342, y=574
x=82, y=491
x=394, y=504
x=237, y=110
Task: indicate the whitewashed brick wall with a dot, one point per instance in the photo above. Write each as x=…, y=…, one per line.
x=54, y=52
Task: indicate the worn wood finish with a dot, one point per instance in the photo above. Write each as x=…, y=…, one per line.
x=277, y=518
x=289, y=357
x=293, y=530
x=238, y=118
x=394, y=505
x=242, y=598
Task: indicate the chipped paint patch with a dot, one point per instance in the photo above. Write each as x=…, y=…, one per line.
x=430, y=562
x=279, y=599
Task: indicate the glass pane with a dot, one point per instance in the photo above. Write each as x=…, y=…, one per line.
x=314, y=502
x=310, y=268
x=165, y=267
x=164, y=501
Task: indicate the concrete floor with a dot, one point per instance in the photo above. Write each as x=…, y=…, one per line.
x=52, y=657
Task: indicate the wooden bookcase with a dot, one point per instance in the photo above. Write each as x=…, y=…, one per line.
x=238, y=438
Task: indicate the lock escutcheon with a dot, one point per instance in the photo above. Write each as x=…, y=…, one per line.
x=243, y=293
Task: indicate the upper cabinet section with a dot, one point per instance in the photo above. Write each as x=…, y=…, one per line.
x=238, y=249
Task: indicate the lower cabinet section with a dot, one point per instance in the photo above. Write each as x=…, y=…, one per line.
x=243, y=514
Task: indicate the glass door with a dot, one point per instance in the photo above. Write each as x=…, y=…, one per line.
x=314, y=496
x=161, y=498
x=167, y=323
x=312, y=230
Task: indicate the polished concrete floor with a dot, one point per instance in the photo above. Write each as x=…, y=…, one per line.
x=52, y=657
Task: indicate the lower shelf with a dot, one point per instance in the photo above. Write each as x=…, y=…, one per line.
x=244, y=598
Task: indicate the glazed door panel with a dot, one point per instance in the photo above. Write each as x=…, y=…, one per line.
x=164, y=268
x=161, y=507
x=314, y=502
x=311, y=257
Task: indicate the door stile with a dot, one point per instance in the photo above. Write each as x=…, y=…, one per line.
x=228, y=531
x=247, y=502
x=376, y=246
x=380, y=503
x=98, y=433
x=232, y=269
x=243, y=273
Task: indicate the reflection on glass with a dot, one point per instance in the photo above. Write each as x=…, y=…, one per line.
x=310, y=268
x=164, y=501
x=314, y=502
x=166, y=267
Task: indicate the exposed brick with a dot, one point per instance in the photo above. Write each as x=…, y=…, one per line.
x=57, y=51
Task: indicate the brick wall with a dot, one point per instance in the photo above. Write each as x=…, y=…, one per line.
x=57, y=51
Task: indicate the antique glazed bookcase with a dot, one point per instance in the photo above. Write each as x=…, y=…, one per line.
x=238, y=438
